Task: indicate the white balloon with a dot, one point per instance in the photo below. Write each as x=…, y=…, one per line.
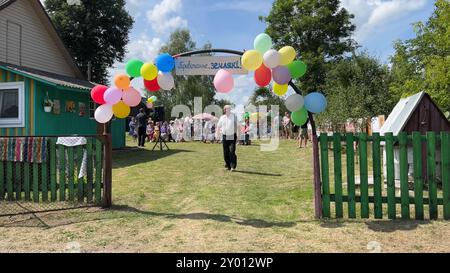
x=271, y=58
x=103, y=113
x=165, y=81
x=294, y=102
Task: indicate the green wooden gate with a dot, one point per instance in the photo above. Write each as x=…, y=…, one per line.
x=345, y=165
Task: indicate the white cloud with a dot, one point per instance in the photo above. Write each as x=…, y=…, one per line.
x=377, y=15
x=162, y=16
x=144, y=48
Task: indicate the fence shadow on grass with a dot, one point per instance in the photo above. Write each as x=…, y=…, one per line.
x=395, y=225
x=131, y=156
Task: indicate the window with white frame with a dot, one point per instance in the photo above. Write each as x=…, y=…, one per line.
x=12, y=104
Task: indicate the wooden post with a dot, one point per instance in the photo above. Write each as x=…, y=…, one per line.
x=316, y=168
x=107, y=167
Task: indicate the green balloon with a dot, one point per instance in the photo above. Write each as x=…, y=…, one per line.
x=133, y=68
x=262, y=43
x=299, y=117
x=297, y=69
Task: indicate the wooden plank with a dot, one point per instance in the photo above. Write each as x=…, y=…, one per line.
x=2, y=180
x=390, y=176
x=384, y=199
x=363, y=173
x=351, y=176
x=404, y=191
x=62, y=172
x=9, y=181
x=53, y=180
x=80, y=181
x=98, y=170
x=35, y=167
x=325, y=174
x=431, y=174
x=26, y=181
x=418, y=178
x=338, y=174
x=376, y=168
x=44, y=181
x=90, y=168
x=445, y=157
x=71, y=174
x=18, y=180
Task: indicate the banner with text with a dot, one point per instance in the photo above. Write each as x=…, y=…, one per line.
x=208, y=65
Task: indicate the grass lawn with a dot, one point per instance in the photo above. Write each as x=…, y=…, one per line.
x=183, y=201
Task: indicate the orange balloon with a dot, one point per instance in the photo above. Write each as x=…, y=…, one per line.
x=122, y=81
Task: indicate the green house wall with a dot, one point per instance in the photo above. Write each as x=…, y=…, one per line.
x=38, y=122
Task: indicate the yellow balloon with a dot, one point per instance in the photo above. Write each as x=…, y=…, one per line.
x=287, y=55
x=280, y=89
x=149, y=71
x=252, y=60
x=150, y=100
x=121, y=110
x=122, y=81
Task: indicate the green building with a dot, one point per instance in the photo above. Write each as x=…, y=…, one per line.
x=35, y=67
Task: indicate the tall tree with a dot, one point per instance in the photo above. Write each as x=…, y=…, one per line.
x=423, y=63
x=357, y=88
x=319, y=30
x=263, y=96
x=187, y=87
x=94, y=31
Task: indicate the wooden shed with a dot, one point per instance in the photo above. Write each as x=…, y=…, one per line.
x=35, y=66
x=417, y=113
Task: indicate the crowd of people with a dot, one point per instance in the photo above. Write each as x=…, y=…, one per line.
x=189, y=129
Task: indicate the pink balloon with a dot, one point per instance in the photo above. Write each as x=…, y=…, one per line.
x=223, y=81
x=112, y=95
x=131, y=97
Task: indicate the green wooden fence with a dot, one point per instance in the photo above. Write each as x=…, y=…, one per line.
x=56, y=179
x=381, y=198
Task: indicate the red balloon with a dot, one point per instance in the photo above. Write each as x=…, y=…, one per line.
x=263, y=76
x=97, y=93
x=152, y=86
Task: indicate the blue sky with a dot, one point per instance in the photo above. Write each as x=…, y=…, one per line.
x=233, y=24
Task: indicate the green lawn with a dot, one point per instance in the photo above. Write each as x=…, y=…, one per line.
x=183, y=200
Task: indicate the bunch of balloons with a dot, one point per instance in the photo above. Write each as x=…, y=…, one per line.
x=150, y=101
x=118, y=99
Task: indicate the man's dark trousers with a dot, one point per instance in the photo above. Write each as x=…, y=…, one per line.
x=229, y=151
x=141, y=136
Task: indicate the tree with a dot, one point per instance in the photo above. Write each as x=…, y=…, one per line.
x=357, y=88
x=94, y=31
x=263, y=96
x=423, y=63
x=319, y=30
x=187, y=87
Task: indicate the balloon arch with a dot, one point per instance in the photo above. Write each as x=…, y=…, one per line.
x=267, y=63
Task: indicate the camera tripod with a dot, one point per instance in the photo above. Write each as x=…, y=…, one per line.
x=160, y=140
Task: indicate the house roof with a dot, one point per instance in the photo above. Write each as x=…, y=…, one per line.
x=4, y=3
x=49, y=78
x=401, y=113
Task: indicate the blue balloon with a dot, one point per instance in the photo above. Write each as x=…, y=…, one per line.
x=165, y=62
x=315, y=102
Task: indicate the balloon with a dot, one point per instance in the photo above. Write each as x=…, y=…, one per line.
x=152, y=85
x=280, y=90
x=271, y=58
x=262, y=43
x=133, y=68
x=251, y=60
x=103, y=113
x=122, y=81
x=263, y=76
x=281, y=75
x=165, y=62
x=294, y=102
x=315, y=102
x=165, y=81
x=154, y=98
x=299, y=117
x=254, y=117
x=131, y=97
x=223, y=81
x=287, y=55
x=297, y=69
x=112, y=95
x=247, y=115
x=149, y=105
x=121, y=110
x=97, y=93
x=149, y=71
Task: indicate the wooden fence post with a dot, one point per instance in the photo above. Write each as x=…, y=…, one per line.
x=107, y=168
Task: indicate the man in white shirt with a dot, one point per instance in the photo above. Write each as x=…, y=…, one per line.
x=228, y=127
